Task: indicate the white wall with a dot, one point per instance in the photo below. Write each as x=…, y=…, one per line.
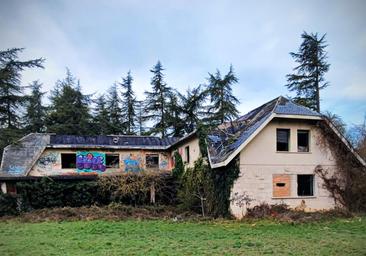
x=259, y=161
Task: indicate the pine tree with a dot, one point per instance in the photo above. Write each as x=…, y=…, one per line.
x=115, y=116
x=101, y=116
x=157, y=101
x=128, y=103
x=140, y=108
x=35, y=111
x=12, y=97
x=193, y=108
x=11, y=91
x=309, y=79
x=223, y=102
x=69, y=109
x=174, y=116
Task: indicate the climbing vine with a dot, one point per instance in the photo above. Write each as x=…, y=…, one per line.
x=346, y=184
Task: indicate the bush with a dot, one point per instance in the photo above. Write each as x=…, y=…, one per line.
x=48, y=193
x=8, y=204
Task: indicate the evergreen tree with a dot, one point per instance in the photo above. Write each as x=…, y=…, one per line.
x=69, y=110
x=12, y=98
x=157, y=101
x=193, y=108
x=128, y=103
x=223, y=102
x=101, y=116
x=174, y=116
x=115, y=112
x=11, y=91
x=35, y=111
x=309, y=79
x=140, y=108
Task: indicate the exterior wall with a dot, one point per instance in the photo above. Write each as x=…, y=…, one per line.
x=49, y=162
x=194, y=151
x=261, y=166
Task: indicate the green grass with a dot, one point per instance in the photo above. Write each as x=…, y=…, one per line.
x=150, y=237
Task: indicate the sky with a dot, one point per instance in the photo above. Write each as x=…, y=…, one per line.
x=100, y=41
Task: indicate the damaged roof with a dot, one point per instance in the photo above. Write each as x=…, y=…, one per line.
x=227, y=138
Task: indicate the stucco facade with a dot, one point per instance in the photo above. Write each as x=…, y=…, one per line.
x=192, y=146
x=270, y=176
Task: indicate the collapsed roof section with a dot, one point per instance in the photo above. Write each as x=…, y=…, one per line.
x=226, y=140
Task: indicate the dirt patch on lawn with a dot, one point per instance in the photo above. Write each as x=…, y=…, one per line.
x=110, y=212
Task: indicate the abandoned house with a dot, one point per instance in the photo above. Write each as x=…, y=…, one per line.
x=276, y=145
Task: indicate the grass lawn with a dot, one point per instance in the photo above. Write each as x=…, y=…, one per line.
x=152, y=237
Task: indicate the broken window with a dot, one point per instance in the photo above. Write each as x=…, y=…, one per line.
x=187, y=154
x=112, y=161
x=152, y=161
x=283, y=139
x=302, y=140
x=305, y=185
x=68, y=160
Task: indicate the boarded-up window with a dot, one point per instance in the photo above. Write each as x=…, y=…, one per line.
x=112, y=161
x=68, y=160
x=283, y=139
x=152, y=161
x=281, y=185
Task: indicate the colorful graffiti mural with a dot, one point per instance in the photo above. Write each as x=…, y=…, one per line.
x=47, y=160
x=132, y=163
x=90, y=162
x=16, y=170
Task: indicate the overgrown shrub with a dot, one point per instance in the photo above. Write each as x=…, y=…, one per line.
x=47, y=193
x=139, y=188
x=8, y=204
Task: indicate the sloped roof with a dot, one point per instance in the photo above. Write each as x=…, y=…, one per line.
x=19, y=158
x=227, y=138
x=112, y=140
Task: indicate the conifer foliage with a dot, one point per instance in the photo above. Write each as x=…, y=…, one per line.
x=223, y=102
x=35, y=111
x=308, y=78
x=128, y=104
x=157, y=101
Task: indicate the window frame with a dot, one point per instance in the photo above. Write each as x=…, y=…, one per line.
x=187, y=154
x=112, y=155
x=150, y=155
x=62, y=162
x=312, y=188
x=308, y=133
x=288, y=139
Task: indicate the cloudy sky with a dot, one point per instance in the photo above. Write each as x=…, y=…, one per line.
x=101, y=40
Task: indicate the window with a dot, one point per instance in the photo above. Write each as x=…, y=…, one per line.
x=68, y=160
x=302, y=140
x=152, y=161
x=187, y=153
x=283, y=139
x=112, y=161
x=305, y=185
x=281, y=185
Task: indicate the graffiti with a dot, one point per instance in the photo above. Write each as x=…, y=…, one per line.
x=47, y=160
x=132, y=164
x=14, y=169
x=163, y=164
x=90, y=162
